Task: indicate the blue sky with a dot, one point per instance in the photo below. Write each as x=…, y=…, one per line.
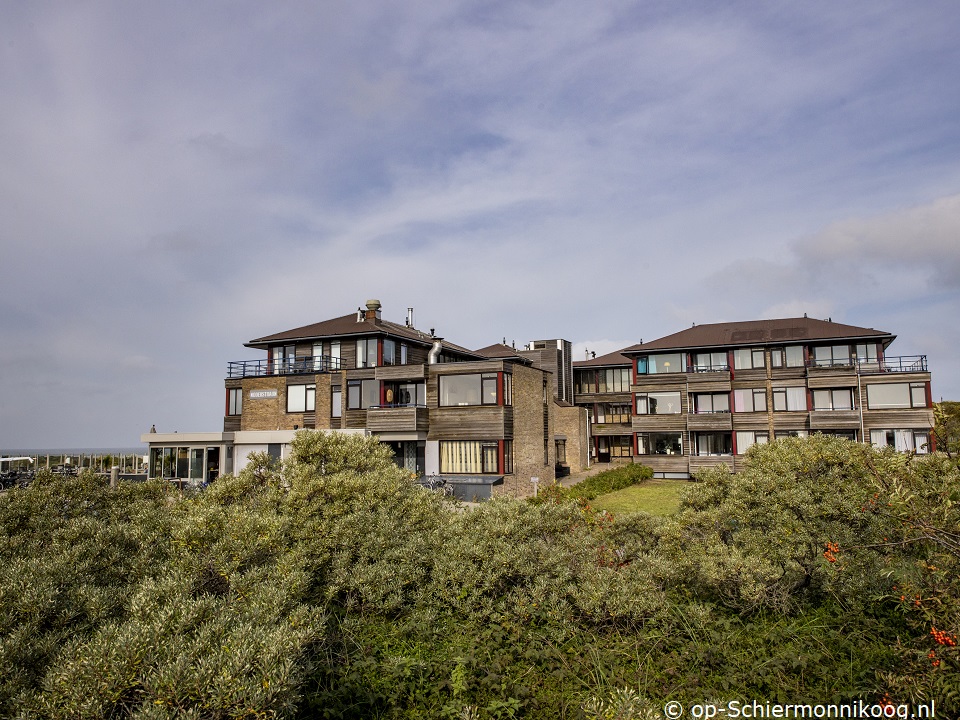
x=181, y=177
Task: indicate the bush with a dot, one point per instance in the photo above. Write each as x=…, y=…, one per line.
x=610, y=481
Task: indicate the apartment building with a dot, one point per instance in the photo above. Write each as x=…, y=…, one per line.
x=488, y=421
x=703, y=396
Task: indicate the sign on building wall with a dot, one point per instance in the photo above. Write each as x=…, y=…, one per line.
x=262, y=394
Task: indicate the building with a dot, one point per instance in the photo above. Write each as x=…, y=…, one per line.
x=703, y=396
x=489, y=420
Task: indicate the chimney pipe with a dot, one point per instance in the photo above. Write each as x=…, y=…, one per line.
x=409, y=317
x=373, y=310
x=435, y=350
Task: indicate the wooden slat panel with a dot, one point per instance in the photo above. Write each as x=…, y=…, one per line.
x=706, y=462
x=397, y=419
x=400, y=372
x=231, y=423
x=835, y=420
x=354, y=418
x=791, y=421
x=473, y=423
x=831, y=381
x=750, y=421
x=659, y=423
x=893, y=419
x=710, y=421
x=612, y=429
x=665, y=463
x=712, y=386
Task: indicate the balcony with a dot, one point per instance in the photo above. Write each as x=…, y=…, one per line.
x=309, y=365
x=399, y=418
x=894, y=364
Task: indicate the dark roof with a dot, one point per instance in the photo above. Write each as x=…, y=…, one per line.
x=608, y=360
x=760, y=332
x=499, y=351
x=348, y=325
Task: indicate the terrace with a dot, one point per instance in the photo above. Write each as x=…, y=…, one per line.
x=307, y=365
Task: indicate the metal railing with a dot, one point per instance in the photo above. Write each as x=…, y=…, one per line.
x=309, y=365
x=902, y=363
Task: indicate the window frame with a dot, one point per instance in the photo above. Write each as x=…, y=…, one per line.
x=306, y=396
x=234, y=401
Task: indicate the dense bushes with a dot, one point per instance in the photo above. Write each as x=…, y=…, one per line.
x=610, y=480
x=328, y=586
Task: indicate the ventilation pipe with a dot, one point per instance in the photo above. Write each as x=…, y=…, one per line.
x=410, y=317
x=435, y=351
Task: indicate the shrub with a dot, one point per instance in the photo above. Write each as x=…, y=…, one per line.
x=610, y=481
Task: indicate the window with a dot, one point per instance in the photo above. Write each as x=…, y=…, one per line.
x=662, y=363
x=791, y=356
x=902, y=440
x=659, y=444
x=615, y=445
x=665, y=403
x=477, y=389
x=750, y=400
x=748, y=359
x=790, y=434
x=367, y=352
x=403, y=353
x=389, y=352
x=407, y=394
x=613, y=412
x=301, y=398
x=896, y=395
x=585, y=381
x=711, y=361
x=363, y=394
x=335, y=355
x=508, y=390
x=867, y=353
x=560, y=448
x=832, y=355
x=747, y=439
x=284, y=359
x=708, y=443
x=789, y=399
x=473, y=457
x=836, y=399
x=336, y=401
x=711, y=403
x=614, y=380
x=235, y=401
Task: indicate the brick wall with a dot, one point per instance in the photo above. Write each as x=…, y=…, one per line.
x=571, y=422
x=529, y=411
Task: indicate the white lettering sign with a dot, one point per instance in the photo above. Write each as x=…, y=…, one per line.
x=261, y=394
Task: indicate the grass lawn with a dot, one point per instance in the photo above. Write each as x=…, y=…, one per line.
x=658, y=497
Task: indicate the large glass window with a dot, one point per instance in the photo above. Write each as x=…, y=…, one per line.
x=791, y=356
x=867, y=353
x=750, y=400
x=367, y=352
x=615, y=445
x=661, y=363
x=710, y=361
x=831, y=355
x=407, y=394
x=835, y=399
x=471, y=457
x=659, y=444
x=614, y=380
x=711, y=403
x=896, y=395
x=389, y=352
x=363, y=394
x=789, y=399
x=665, y=403
x=748, y=359
x=585, y=381
x=301, y=398
x=284, y=359
x=711, y=443
x=336, y=401
x=614, y=412
x=917, y=441
x=748, y=438
x=235, y=401
x=476, y=389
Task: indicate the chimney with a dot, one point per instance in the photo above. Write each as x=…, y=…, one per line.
x=410, y=317
x=373, y=310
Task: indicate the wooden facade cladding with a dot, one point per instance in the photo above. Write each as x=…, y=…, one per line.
x=470, y=423
x=754, y=376
x=607, y=429
x=354, y=418
x=707, y=462
x=703, y=382
x=835, y=420
x=588, y=399
x=362, y=373
x=231, y=423
x=791, y=421
x=817, y=381
x=310, y=420
x=757, y=421
x=400, y=372
x=710, y=422
x=666, y=463
x=665, y=382
x=231, y=383
x=659, y=423
x=916, y=418
x=789, y=373
x=397, y=419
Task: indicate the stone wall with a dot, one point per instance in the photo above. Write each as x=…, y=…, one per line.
x=532, y=424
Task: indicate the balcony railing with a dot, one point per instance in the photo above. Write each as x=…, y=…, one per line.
x=903, y=363
x=290, y=366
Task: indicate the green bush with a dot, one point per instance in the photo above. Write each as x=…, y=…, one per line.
x=611, y=480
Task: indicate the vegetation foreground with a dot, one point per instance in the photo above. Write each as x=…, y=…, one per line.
x=330, y=587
